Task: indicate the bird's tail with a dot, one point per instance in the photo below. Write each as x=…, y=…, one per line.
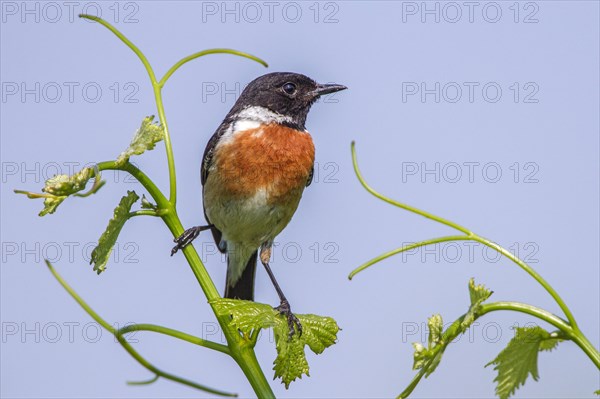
x=239, y=283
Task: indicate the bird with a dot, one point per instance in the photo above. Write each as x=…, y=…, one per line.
x=254, y=171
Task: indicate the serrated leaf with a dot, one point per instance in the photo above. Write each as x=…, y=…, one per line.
x=144, y=139
x=548, y=345
x=318, y=333
x=246, y=315
x=290, y=362
x=107, y=240
x=478, y=294
x=59, y=187
x=519, y=359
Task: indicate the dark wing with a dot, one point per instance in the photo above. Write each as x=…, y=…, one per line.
x=208, y=154
x=310, y=176
x=206, y=165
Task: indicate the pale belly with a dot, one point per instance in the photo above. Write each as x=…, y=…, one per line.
x=252, y=220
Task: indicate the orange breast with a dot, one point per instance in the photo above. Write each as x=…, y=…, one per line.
x=278, y=159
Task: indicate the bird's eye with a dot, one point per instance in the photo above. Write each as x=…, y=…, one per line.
x=289, y=88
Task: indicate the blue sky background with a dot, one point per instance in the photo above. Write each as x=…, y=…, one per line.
x=532, y=116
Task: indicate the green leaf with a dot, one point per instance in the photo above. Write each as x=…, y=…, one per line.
x=519, y=359
x=59, y=187
x=597, y=392
x=318, y=333
x=549, y=345
x=246, y=315
x=108, y=239
x=145, y=139
x=290, y=362
x=478, y=294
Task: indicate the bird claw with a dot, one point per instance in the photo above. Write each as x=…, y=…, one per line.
x=293, y=322
x=187, y=237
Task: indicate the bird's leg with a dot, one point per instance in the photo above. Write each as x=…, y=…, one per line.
x=284, y=307
x=188, y=236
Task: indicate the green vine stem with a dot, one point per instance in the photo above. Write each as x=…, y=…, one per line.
x=179, y=63
x=175, y=334
x=569, y=327
x=486, y=308
x=570, y=332
x=119, y=335
x=404, y=249
x=157, y=87
x=240, y=348
x=565, y=332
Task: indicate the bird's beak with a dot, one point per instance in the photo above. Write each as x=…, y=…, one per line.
x=327, y=89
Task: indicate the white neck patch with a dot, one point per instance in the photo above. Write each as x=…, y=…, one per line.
x=252, y=118
x=262, y=115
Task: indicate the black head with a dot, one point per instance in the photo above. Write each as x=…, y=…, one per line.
x=286, y=96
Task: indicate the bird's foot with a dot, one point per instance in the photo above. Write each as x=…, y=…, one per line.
x=187, y=237
x=293, y=322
